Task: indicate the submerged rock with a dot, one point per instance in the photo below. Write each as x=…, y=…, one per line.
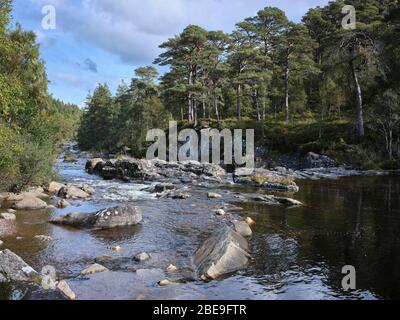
x=103, y=219
x=225, y=252
x=13, y=268
x=269, y=199
x=43, y=238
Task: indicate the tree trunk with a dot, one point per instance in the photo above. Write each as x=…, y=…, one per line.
x=359, y=102
x=238, y=101
x=216, y=107
x=256, y=106
x=287, y=72
x=190, y=99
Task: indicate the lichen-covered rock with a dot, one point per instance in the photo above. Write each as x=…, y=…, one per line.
x=103, y=219
x=13, y=268
x=225, y=252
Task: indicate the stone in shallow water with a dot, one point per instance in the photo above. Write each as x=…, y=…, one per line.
x=66, y=290
x=29, y=203
x=62, y=204
x=142, y=257
x=103, y=219
x=220, y=212
x=164, y=283
x=223, y=253
x=72, y=192
x=213, y=195
x=243, y=228
x=171, y=268
x=250, y=221
x=94, y=268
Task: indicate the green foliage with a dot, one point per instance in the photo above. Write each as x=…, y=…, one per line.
x=120, y=123
x=32, y=123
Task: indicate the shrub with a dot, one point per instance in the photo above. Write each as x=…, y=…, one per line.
x=390, y=165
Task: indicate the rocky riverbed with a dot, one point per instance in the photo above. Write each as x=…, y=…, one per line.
x=134, y=229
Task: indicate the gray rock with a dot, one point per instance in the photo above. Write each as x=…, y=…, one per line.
x=103, y=219
x=243, y=228
x=1, y=243
x=29, y=203
x=130, y=168
x=65, y=289
x=13, y=268
x=72, y=192
x=225, y=252
x=94, y=268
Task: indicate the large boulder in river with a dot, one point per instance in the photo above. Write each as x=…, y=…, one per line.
x=13, y=268
x=225, y=252
x=28, y=202
x=103, y=219
x=72, y=192
x=92, y=163
x=130, y=168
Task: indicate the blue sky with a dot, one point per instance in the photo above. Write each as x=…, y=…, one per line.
x=103, y=41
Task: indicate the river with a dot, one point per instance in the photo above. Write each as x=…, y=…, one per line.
x=298, y=253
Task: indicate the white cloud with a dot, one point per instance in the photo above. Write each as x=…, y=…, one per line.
x=133, y=29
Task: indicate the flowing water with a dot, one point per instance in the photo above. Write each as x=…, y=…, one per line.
x=298, y=253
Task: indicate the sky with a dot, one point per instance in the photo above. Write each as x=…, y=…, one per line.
x=104, y=41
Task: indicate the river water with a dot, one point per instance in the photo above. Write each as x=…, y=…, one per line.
x=298, y=253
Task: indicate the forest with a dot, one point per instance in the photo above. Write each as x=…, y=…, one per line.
x=308, y=86
x=32, y=122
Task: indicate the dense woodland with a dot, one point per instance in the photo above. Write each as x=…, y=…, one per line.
x=309, y=86
x=32, y=123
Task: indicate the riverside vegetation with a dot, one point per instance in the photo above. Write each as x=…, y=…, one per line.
x=32, y=122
